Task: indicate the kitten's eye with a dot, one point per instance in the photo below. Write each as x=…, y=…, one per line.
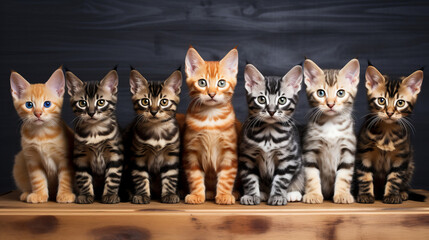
x=400, y=103
x=261, y=99
x=282, y=100
x=144, y=101
x=320, y=93
x=163, y=102
x=381, y=101
x=341, y=93
x=47, y=104
x=29, y=105
x=221, y=83
x=101, y=102
x=202, y=83
x=81, y=103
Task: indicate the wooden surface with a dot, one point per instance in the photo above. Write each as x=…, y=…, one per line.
x=18, y=220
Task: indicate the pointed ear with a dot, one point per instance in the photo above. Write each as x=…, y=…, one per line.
x=414, y=82
x=74, y=84
x=137, y=81
x=351, y=72
x=293, y=78
x=174, y=82
x=56, y=82
x=253, y=78
x=193, y=61
x=311, y=72
x=110, y=82
x=18, y=85
x=230, y=61
x=373, y=78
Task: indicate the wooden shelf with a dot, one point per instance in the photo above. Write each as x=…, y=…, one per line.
x=19, y=220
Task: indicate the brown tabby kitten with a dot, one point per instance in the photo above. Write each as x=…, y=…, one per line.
x=384, y=161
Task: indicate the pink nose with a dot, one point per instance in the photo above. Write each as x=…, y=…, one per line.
x=38, y=114
x=212, y=94
x=389, y=114
x=331, y=105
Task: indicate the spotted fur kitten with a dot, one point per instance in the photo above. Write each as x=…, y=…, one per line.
x=270, y=156
x=98, y=156
x=329, y=142
x=384, y=163
x=155, y=144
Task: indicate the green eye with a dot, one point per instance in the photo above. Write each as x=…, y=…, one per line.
x=163, y=102
x=320, y=93
x=262, y=100
x=221, y=83
x=101, y=102
x=282, y=101
x=400, y=103
x=202, y=83
x=144, y=101
x=341, y=93
x=381, y=101
x=81, y=103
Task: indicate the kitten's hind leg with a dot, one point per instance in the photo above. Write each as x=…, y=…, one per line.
x=296, y=188
x=21, y=177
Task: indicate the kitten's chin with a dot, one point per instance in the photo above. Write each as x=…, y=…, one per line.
x=389, y=120
x=330, y=112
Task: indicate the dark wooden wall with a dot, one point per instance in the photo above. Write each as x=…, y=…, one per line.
x=90, y=37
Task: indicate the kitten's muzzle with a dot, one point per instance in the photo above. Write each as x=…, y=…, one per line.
x=153, y=112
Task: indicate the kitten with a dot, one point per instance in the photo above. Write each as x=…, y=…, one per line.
x=210, y=136
x=270, y=156
x=98, y=156
x=155, y=143
x=43, y=166
x=384, y=162
x=329, y=142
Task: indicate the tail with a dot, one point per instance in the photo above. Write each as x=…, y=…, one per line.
x=416, y=196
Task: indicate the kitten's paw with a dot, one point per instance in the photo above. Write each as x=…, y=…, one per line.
x=170, y=198
x=392, y=199
x=250, y=200
x=312, y=198
x=294, y=196
x=66, y=197
x=37, y=198
x=140, y=199
x=404, y=196
x=85, y=199
x=225, y=199
x=23, y=196
x=343, y=197
x=110, y=198
x=277, y=200
x=194, y=199
x=365, y=198
x=210, y=195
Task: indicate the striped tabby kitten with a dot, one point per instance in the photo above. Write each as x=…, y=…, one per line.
x=329, y=141
x=384, y=163
x=270, y=156
x=43, y=166
x=98, y=148
x=210, y=137
x=155, y=145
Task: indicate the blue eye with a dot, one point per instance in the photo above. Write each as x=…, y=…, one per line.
x=47, y=104
x=29, y=105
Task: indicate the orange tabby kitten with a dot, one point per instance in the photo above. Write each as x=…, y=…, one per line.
x=210, y=137
x=43, y=165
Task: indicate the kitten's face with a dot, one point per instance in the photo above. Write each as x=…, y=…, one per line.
x=155, y=101
x=93, y=101
x=331, y=91
x=38, y=104
x=392, y=99
x=211, y=82
x=272, y=99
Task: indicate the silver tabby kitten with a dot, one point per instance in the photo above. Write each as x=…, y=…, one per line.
x=270, y=156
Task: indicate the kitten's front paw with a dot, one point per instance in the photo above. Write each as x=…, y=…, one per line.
x=225, y=199
x=392, y=199
x=277, y=200
x=85, y=199
x=365, y=198
x=170, y=198
x=23, y=196
x=404, y=196
x=294, y=196
x=140, y=199
x=110, y=198
x=343, y=197
x=37, y=198
x=194, y=199
x=312, y=198
x=66, y=197
x=250, y=200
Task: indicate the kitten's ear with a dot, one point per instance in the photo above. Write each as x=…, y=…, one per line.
x=253, y=78
x=351, y=72
x=18, y=85
x=230, y=61
x=110, y=82
x=56, y=82
x=414, y=82
x=174, y=82
x=74, y=84
x=294, y=78
x=193, y=61
x=311, y=72
x=373, y=78
x=137, y=81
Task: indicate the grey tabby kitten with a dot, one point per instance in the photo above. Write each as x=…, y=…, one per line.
x=270, y=155
x=329, y=142
x=97, y=154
